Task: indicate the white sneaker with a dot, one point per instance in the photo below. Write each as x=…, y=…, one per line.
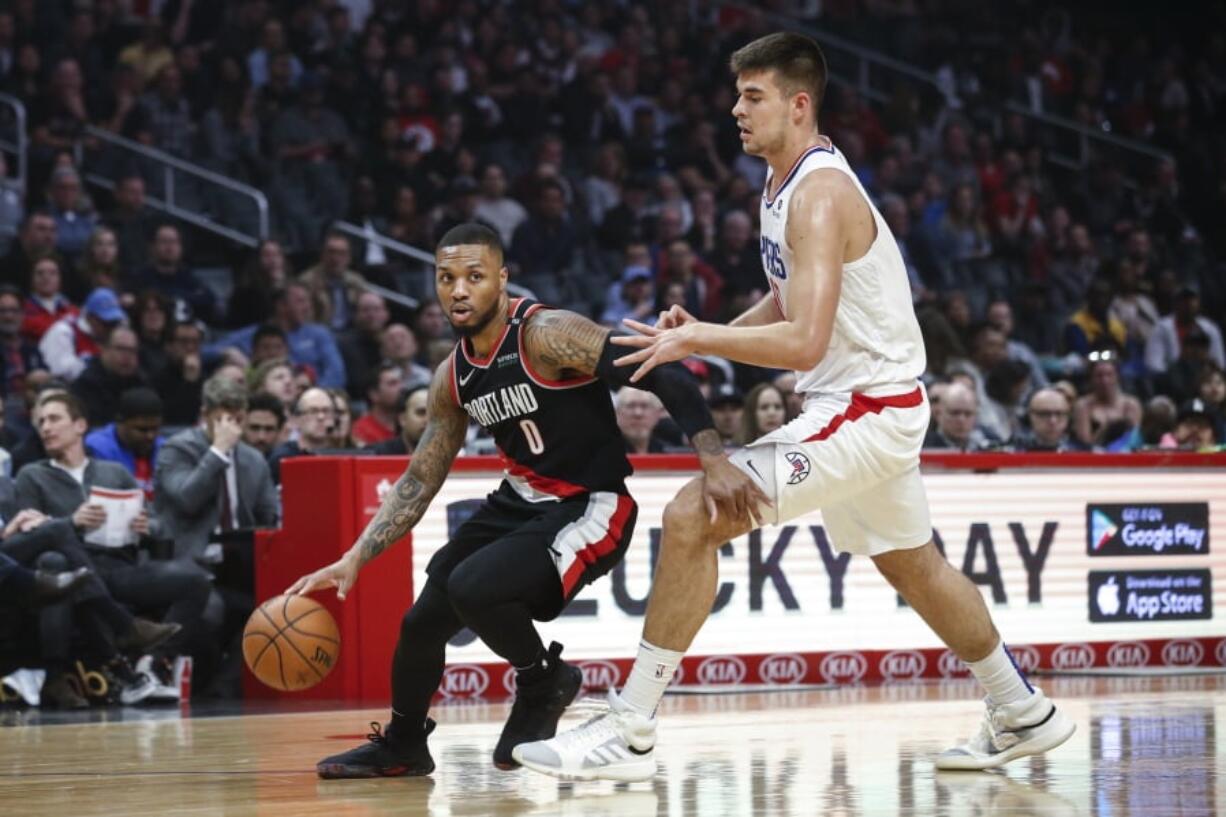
x=616, y=744
x=162, y=689
x=1010, y=731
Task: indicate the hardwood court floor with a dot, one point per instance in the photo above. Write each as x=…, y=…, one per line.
x=1145, y=747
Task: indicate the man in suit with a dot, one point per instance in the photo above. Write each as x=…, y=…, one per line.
x=208, y=483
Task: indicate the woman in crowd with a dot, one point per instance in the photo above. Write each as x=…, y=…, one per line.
x=100, y=261
x=46, y=303
x=151, y=319
x=763, y=412
x=267, y=272
x=1105, y=403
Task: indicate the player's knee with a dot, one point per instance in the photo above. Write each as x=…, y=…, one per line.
x=914, y=567
x=463, y=591
x=684, y=519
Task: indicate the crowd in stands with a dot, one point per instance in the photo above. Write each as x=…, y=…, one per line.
x=1062, y=310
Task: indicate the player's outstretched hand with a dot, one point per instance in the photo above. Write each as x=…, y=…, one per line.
x=655, y=347
x=670, y=318
x=727, y=487
x=341, y=574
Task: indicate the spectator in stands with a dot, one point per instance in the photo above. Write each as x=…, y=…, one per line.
x=957, y=426
x=12, y=208
x=703, y=287
x=208, y=481
x=169, y=275
x=275, y=377
x=638, y=412
x=333, y=286
x=913, y=245
x=988, y=350
x=1163, y=347
x=1181, y=380
x=762, y=414
x=408, y=224
x=18, y=356
x=737, y=261
x=314, y=417
x=167, y=115
x=266, y=273
x=59, y=487
x=46, y=303
x=632, y=297
x=36, y=239
x=1196, y=427
x=1092, y=326
x=1212, y=389
x=151, y=318
x=727, y=408
x=1047, y=429
x=1000, y=316
x=114, y=370
x=360, y=345
x=181, y=379
x=149, y=55
x=963, y=235
x=70, y=343
x=264, y=423
x=341, y=437
x=379, y=422
x=1005, y=387
x=399, y=347
x=74, y=215
x=430, y=323
x=1131, y=306
x=310, y=343
x=99, y=267
x=268, y=343
x=133, y=221
x=411, y=414
x=495, y=207
x=1105, y=403
x=134, y=438
x=543, y=248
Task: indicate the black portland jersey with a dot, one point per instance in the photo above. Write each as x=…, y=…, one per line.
x=557, y=438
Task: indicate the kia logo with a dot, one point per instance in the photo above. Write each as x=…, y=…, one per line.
x=1221, y=653
x=509, y=681
x=902, y=664
x=464, y=681
x=1027, y=658
x=600, y=674
x=721, y=669
x=844, y=667
x=1073, y=656
x=1128, y=654
x=1182, y=653
x=951, y=666
x=784, y=668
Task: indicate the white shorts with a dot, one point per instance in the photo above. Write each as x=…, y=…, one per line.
x=857, y=459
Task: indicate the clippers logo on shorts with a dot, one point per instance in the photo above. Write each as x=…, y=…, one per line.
x=1150, y=529
x=1027, y=658
x=600, y=674
x=1128, y=654
x=800, y=466
x=783, y=669
x=1072, y=656
x=1181, y=653
x=951, y=666
x=1150, y=595
x=844, y=667
x=721, y=670
x=464, y=681
x=902, y=665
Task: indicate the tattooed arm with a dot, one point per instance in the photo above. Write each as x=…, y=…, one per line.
x=404, y=505
x=563, y=345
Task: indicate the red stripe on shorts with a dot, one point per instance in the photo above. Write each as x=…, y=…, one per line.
x=602, y=547
x=862, y=404
x=547, y=485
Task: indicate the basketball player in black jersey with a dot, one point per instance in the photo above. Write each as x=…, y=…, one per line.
x=538, y=380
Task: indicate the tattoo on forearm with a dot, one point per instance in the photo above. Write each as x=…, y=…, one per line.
x=564, y=341
x=707, y=442
x=400, y=511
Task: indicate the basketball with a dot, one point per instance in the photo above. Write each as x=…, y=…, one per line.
x=291, y=643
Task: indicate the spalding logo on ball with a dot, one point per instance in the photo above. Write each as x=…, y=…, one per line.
x=291, y=643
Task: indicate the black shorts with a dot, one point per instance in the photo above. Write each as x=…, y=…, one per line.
x=586, y=535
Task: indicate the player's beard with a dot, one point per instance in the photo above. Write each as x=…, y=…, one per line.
x=476, y=326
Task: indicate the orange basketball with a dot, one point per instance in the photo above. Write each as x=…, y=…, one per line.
x=291, y=643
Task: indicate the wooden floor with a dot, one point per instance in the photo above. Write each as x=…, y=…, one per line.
x=1144, y=746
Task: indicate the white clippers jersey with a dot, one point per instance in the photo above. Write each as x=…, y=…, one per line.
x=876, y=343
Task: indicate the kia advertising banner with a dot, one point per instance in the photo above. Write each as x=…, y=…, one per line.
x=1081, y=568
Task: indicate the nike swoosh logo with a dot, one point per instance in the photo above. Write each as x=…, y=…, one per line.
x=753, y=468
x=464, y=380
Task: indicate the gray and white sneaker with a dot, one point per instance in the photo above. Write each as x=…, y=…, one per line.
x=616, y=744
x=1010, y=731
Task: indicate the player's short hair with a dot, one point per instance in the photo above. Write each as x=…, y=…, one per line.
x=798, y=63
x=471, y=233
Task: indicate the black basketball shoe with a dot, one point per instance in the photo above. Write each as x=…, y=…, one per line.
x=386, y=754
x=538, y=707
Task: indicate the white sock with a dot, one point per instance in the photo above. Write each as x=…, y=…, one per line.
x=649, y=677
x=1000, y=676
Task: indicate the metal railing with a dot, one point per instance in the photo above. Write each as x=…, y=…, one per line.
x=875, y=77
x=177, y=187
x=422, y=268
x=19, y=143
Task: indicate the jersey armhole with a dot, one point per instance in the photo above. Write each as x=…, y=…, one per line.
x=455, y=388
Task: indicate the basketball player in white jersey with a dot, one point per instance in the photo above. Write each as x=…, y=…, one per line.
x=839, y=313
